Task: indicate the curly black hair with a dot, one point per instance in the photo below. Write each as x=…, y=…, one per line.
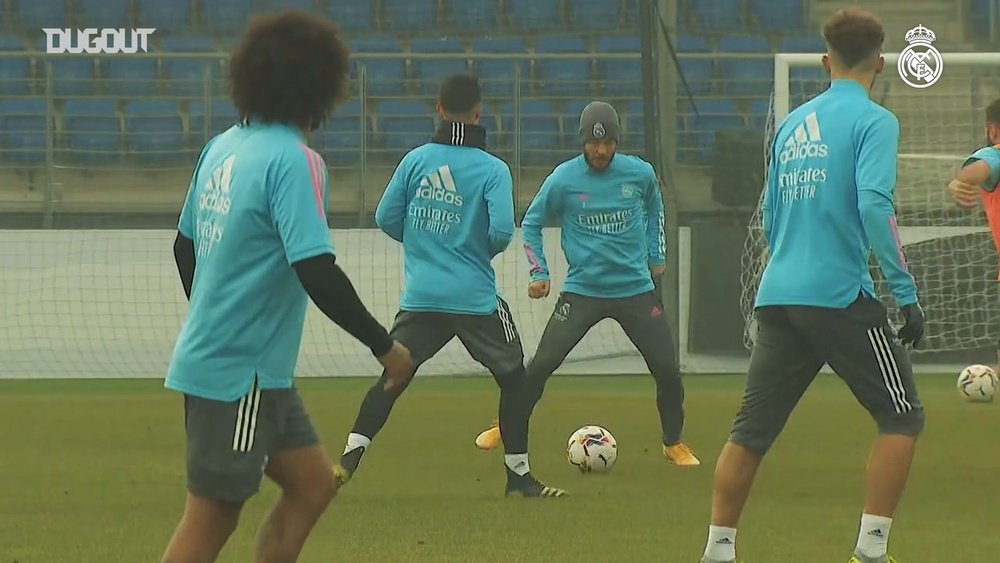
x=290, y=68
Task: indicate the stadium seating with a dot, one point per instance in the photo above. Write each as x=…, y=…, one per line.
x=76, y=76
x=404, y=124
x=802, y=45
x=712, y=115
x=202, y=126
x=340, y=140
x=698, y=73
x=24, y=130
x=540, y=130
x=91, y=132
x=534, y=15
x=787, y=16
x=562, y=77
x=571, y=122
x=385, y=77
x=15, y=72
x=164, y=16
x=497, y=76
x=224, y=16
x=621, y=77
x=103, y=13
x=428, y=73
x=154, y=130
x=130, y=77
x=36, y=14
x=273, y=6
x=353, y=16
x=594, y=15
x=411, y=15
x=758, y=113
x=746, y=76
x=634, y=129
x=717, y=15
x=474, y=15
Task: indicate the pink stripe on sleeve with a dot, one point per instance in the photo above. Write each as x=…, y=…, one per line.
x=316, y=166
x=536, y=265
x=899, y=244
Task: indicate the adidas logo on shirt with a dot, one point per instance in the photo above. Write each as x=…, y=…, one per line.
x=805, y=142
x=439, y=185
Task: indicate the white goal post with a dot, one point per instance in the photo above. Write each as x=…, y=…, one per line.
x=949, y=250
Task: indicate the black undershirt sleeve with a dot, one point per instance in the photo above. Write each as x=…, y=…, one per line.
x=185, y=259
x=334, y=294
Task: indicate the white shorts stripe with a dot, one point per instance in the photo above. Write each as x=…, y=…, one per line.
x=246, y=420
x=509, y=332
x=889, y=369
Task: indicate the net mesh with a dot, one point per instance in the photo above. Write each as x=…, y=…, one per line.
x=108, y=303
x=949, y=250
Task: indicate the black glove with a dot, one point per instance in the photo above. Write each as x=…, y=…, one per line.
x=913, y=327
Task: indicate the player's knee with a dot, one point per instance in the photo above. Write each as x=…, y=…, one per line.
x=909, y=423
x=755, y=432
x=512, y=379
x=316, y=496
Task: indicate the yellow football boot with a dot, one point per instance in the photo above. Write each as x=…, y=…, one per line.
x=490, y=438
x=680, y=454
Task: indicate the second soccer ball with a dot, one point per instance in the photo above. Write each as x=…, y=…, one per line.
x=592, y=449
x=978, y=383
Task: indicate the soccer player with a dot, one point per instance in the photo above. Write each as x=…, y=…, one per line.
x=252, y=243
x=980, y=177
x=829, y=200
x=612, y=235
x=451, y=205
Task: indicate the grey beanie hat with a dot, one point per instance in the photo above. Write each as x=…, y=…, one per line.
x=598, y=121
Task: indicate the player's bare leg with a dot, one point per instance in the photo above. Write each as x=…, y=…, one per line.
x=734, y=476
x=307, y=487
x=203, y=530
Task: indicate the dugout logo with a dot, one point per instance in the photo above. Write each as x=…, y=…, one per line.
x=920, y=65
x=91, y=40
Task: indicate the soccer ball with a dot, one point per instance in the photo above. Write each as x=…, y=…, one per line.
x=978, y=383
x=592, y=449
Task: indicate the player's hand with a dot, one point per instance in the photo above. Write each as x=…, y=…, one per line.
x=398, y=366
x=538, y=289
x=966, y=195
x=658, y=271
x=913, y=327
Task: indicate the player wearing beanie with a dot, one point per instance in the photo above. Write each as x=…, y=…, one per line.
x=611, y=212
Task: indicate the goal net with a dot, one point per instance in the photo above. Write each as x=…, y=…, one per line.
x=108, y=303
x=949, y=250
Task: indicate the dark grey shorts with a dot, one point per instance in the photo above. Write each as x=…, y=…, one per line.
x=229, y=444
x=793, y=343
x=492, y=340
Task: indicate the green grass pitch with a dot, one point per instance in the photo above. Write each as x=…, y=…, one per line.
x=94, y=472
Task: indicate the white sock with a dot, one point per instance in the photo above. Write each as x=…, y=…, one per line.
x=355, y=441
x=518, y=463
x=873, y=539
x=721, y=544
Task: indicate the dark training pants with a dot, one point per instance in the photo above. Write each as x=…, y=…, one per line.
x=492, y=340
x=645, y=324
x=794, y=342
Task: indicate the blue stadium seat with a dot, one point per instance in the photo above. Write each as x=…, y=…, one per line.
x=498, y=75
x=746, y=77
x=385, y=77
x=155, y=132
x=15, y=72
x=979, y=20
x=410, y=15
x=621, y=77
x=225, y=16
x=758, y=113
x=340, y=140
x=634, y=134
x=562, y=77
x=91, y=131
x=539, y=122
x=713, y=115
x=404, y=125
x=24, y=130
x=802, y=45
x=571, y=122
x=102, y=13
x=186, y=77
x=489, y=120
x=189, y=44
x=474, y=15
x=430, y=72
x=223, y=117
x=75, y=76
x=36, y=14
x=534, y=15
x=787, y=16
x=594, y=15
x=718, y=15
x=130, y=77
x=692, y=44
x=699, y=75
x=353, y=16
x=164, y=16
x=805, y=83
x=275, y=6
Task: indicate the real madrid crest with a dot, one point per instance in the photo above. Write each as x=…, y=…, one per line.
x=599, y=131
x=920, y=64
